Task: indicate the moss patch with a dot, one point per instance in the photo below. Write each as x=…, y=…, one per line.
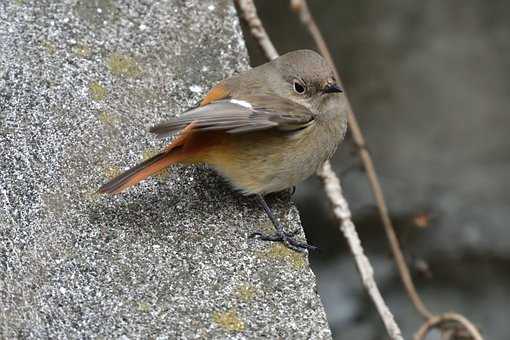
x=97, y=91
x=49, y=47
x=107, y=118
x=143, y=307
x=112, y=172
x=123, y=65
x=91, y=195
x=246, y=292
x=229, y=321
x=279, y=252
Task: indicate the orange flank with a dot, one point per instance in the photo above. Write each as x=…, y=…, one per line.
x=216, y=93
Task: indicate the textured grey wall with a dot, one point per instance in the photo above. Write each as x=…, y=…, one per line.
x=79, y=83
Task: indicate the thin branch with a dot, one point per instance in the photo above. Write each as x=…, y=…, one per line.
x=301, y=8
x=440, y=320
x=343, y=214
x=333, y=190
x=432, y=321
x=257, y=30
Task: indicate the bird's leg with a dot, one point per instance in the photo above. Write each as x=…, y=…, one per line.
x=281, y=235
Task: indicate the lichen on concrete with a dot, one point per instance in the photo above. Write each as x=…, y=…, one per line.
x=123, y=65
x=278, y=252
x=246, y=292
x=97, y=91
x=107, y=118
x=168, y=259
x=229, y=321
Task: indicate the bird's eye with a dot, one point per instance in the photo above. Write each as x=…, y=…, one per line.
x=298, y=87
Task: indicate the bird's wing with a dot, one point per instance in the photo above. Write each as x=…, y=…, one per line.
x=241, y=115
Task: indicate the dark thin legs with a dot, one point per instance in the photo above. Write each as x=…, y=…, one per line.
x=281, y=235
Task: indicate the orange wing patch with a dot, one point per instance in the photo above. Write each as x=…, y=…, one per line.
x=183, y=136
x=193, y=146
x=216, y=93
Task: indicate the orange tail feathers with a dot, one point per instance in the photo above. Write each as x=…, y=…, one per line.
x=141, y=171
x=174, y=153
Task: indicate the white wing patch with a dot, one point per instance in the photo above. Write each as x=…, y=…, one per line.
x=242, y=103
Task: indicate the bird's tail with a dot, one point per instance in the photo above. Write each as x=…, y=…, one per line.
x=173, y=153
x=141, y=171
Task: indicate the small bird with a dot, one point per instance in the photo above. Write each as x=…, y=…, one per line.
x=264, y=130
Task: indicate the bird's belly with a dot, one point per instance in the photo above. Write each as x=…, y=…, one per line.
x=259, y=177
x=262, y=163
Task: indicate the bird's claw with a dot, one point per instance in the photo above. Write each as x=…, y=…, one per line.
x=287, y=239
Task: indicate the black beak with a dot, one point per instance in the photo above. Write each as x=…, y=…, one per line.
x=332, y=88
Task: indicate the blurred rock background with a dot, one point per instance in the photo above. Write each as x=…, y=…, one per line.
x=430, y=84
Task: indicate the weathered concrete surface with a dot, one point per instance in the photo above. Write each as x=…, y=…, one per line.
x=79, y=83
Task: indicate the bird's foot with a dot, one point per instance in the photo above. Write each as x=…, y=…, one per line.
x=287, y=239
